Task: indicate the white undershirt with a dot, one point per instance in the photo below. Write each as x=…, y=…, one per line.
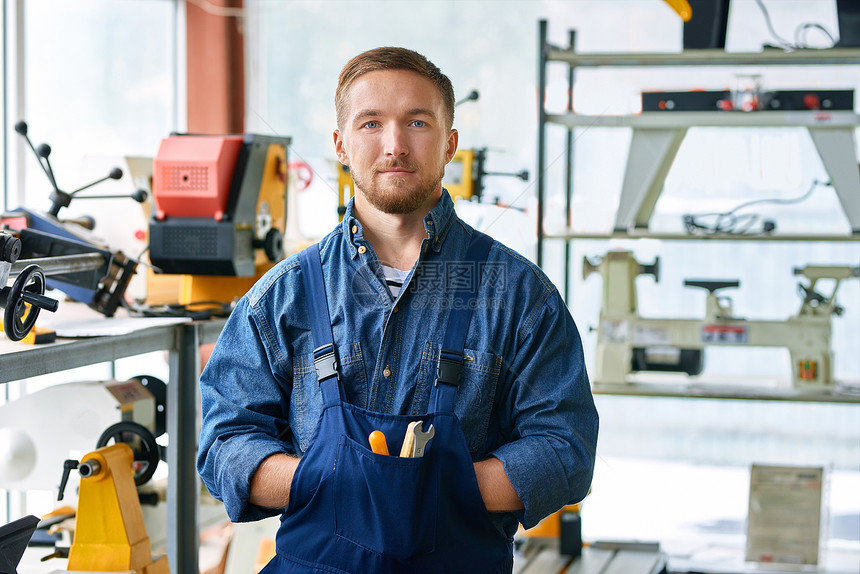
x=394, y=278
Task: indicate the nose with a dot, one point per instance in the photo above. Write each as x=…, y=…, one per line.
x=395, y=142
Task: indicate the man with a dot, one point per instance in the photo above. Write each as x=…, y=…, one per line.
x=475, y=343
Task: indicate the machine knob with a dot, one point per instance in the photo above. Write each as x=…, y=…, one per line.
x=589, y=267
x=273, y=245
x=811, y=102
x=653, y=269
x=10, y=248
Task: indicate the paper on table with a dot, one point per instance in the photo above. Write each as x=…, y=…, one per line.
x=78, y=320
x=784, y=522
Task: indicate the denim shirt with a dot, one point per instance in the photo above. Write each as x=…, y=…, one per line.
x=524, y=395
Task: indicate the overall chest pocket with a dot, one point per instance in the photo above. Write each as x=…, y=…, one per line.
x=475, y=396
x=385, y=503
x=307, y=401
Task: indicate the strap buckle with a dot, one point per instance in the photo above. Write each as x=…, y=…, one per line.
x=325, y=363
x=450, y=368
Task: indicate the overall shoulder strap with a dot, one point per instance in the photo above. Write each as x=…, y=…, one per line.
x=450, y=363
x=325, y=357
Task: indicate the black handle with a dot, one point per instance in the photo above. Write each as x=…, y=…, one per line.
x=68, y=467
x=711, y=286
x=40, y=301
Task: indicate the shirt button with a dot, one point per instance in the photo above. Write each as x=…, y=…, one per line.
x=362, y=249
x=355, y=228
x=386, y=373
x=396, y=309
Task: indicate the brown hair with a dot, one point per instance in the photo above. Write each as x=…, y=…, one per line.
x=392, y=59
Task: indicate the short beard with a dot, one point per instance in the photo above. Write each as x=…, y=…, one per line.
x=397, y=201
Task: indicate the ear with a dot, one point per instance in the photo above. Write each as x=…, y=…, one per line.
x=339, y=148
x=453, y=139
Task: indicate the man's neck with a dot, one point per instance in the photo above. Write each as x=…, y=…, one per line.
x=396, y=238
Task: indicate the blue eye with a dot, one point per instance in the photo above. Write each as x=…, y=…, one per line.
x=418, y=124
x=371, y=125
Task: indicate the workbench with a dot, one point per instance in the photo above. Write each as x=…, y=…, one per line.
x=541, y=556
x=182, y=339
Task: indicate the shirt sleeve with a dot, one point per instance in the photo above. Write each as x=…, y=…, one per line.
x=549, y=411
x=245, y=398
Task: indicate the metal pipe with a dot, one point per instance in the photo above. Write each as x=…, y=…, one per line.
x=568, y=167
x=61, y=264
x=543, y=48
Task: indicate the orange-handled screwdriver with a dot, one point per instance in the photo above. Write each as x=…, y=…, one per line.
x=377, y=442
x=682, y=8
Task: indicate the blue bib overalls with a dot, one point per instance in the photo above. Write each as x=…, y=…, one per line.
x=354, y=511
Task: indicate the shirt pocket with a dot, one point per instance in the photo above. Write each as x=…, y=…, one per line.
x=475, y=396
x=307, y=399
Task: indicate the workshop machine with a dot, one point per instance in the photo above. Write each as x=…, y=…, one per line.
x=42, y=251
x=110, y=535
x=629, y=343
x=23, y=300
x=220, y=214
x=41, y=429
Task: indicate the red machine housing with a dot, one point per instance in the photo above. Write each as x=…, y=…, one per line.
x=193, y=175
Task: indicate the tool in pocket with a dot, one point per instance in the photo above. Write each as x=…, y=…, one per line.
x=377, y=442
x=416, y=440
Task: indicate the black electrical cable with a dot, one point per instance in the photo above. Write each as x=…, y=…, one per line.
x=215, y=309
x=804, y=27
x=785, y=44
x=782, y=43
x=729, y=223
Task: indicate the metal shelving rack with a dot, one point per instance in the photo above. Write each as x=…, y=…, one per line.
x=666, y=130
x=183, y=341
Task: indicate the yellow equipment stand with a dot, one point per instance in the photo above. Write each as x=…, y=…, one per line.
x=109, y=533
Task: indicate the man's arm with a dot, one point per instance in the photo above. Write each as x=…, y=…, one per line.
x=496, y=489
x=270, y=484
x=548, y=413
x=244, y=399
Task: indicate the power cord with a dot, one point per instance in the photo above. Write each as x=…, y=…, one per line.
x=730, y=223
x=799, y=42
x=213, y=309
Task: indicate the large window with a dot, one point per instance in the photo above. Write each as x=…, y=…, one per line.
x=99, y=81
x=96, y=78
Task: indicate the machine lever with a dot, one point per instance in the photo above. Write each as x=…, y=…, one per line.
x=68, y=466
x=711, y=286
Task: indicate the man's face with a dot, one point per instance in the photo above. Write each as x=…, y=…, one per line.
x=395, y=140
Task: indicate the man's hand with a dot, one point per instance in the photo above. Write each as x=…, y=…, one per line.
x=270, y=484
x=496, y=490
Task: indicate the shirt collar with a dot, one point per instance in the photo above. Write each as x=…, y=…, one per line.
x=439, y=220
x=437, y=223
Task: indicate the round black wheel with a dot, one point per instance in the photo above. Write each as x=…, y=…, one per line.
x=273, y=245
x=19, y=317
x=142, y=443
